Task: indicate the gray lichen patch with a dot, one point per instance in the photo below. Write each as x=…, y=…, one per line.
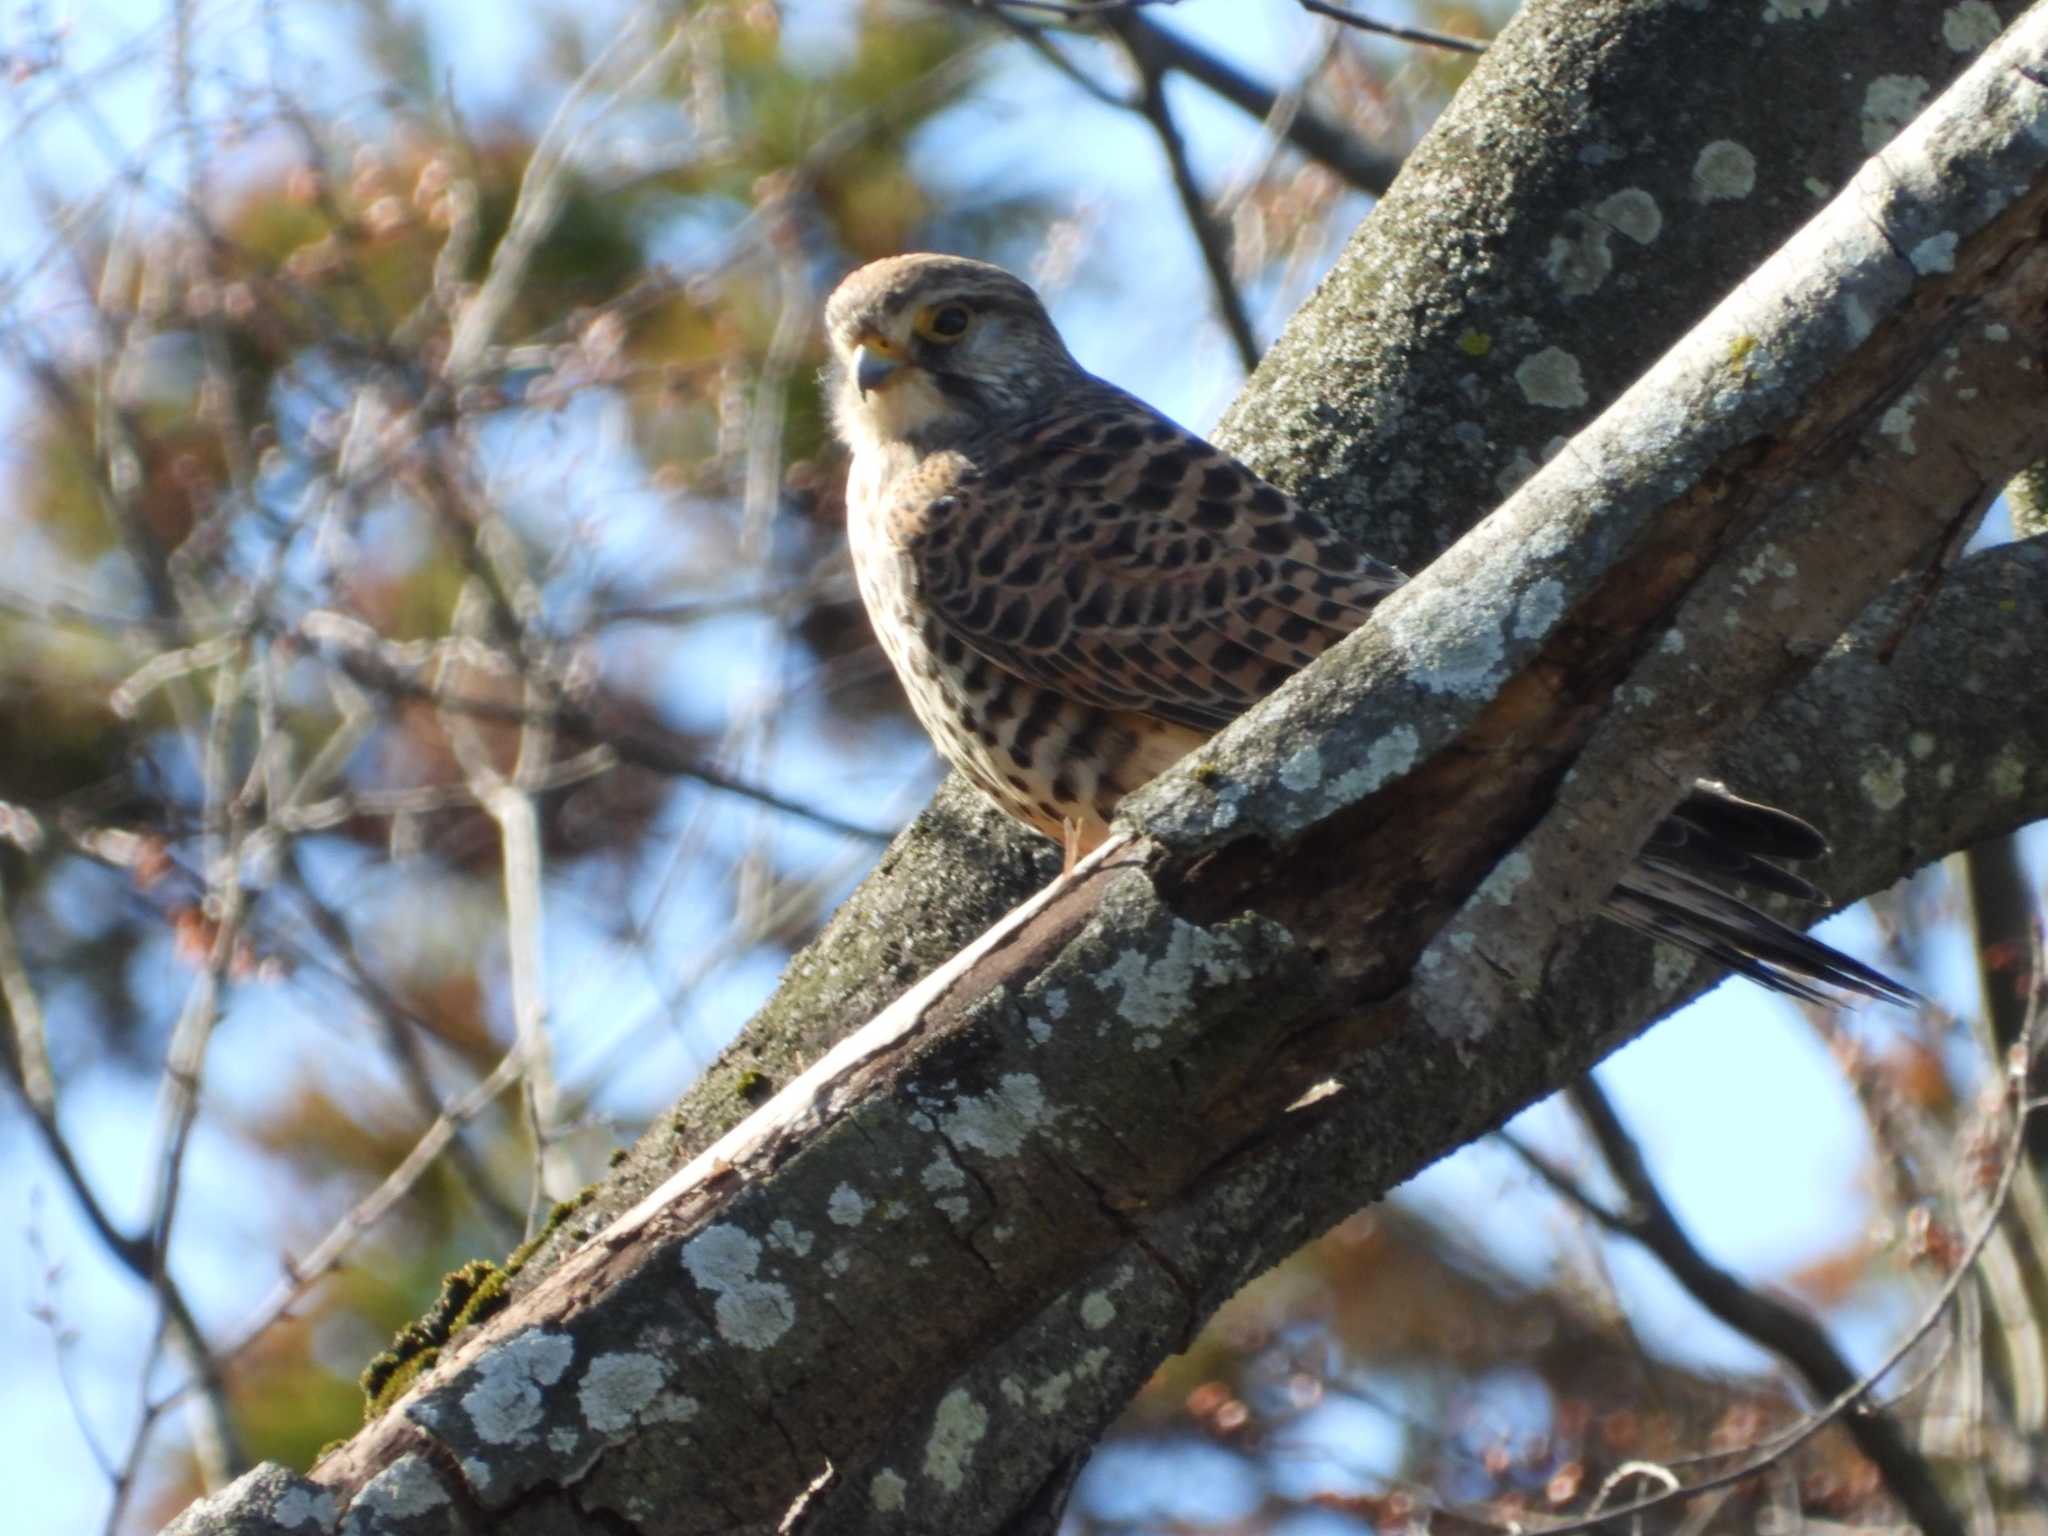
x=265, y=1497
x=490, y=1415
x=1539, y=607
x=1725, y=171
x=1970, y=26
x=1516, y=473
x=996, y=1124
x=886, y=1490
x=1632, y=212
x=1151, y=986
x=2008, y=776
x=1883, y=780
x=1580, y=259
x=1937, y=253
x=305, y=1508
x=396, y=1500
x=1889, y=103
x=1453, y=643
x=1552, y=378
x=847, y=1207
x=1896, y=425
x=751, y=1312
x=958, y=1427
x=1508, y=876
x=1303, y=770
x=625, y=1388
x=505, y=1403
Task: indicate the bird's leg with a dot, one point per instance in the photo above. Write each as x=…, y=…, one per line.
x=1070, y=841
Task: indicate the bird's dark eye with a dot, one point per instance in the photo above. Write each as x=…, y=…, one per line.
x=945, y=323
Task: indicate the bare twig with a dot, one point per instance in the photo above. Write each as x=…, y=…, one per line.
x=140, y=1256
x=508, y=798
x=545, y=182
x=1306, y=128
x=1762, y=1455
x=1210, y=236
x=308, y=1268
x=1776, y=1325
x=30, y=1038
x=366, y=658
x=1424, y=35
x=402, y=1030
x=1073, y=10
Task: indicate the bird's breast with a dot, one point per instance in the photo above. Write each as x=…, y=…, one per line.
x=1050, y=760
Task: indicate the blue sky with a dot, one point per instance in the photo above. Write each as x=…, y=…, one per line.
x=1736, y=1102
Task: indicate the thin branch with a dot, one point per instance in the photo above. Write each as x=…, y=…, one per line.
x=2007, y=943
x=1778, y=1326
x=543, y=187
x=184, y=1065
x=401, y=1028
x=47, y=1312
x=29, y=1035
x=1772, y=1449
x=305, y=1271
x=140, y=1256
x=2006, y=935
x=509, y=800
x=363, y=656
x=1038, y=42
x=1274, y=128
x=1317, y=136
x=133, y=1253
x=1073, y=10
x=832, y=587
x=1308, y=130
x=1210, y=236
x=1424, y=35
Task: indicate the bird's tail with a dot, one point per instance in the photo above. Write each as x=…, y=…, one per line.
x=1716, y=835
x=1680, y=908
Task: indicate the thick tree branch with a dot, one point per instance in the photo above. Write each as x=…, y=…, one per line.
x=1518, y=225
x=1951, y=682
x=1325, y=890
x=1610, y=169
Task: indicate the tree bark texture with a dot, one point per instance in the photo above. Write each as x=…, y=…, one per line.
x=1664, y=146
x=907, y=1292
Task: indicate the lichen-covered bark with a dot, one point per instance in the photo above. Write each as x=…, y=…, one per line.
x=920, y=1280
x=1609, y=171
x=1612, y=169
x=1941, y=706
x=953, y=871
x=1021, y=1150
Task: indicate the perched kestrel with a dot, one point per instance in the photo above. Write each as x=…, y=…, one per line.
x=1076, y=592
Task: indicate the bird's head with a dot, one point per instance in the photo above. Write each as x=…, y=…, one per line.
x=931, y=351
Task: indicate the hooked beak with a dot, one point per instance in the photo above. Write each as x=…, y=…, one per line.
x=875, y=362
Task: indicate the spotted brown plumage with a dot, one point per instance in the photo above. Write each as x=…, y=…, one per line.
x=1076, y=593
